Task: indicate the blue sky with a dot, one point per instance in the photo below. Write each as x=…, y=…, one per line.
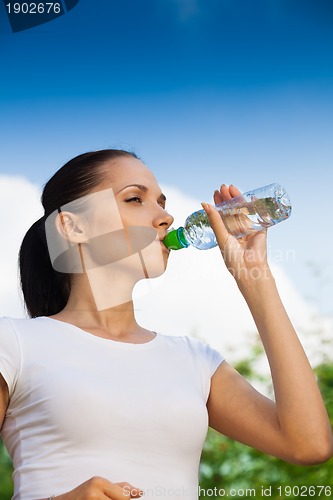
x=205, y=91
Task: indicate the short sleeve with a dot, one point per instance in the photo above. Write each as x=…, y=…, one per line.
x=206, y=360
x=213, y=358
x=10, y=357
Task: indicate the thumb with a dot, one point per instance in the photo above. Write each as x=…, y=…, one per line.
x=217, y=224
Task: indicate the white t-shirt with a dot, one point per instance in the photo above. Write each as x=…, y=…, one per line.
x=83, y=406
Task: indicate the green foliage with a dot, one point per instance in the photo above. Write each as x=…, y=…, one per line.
x=6, y=485
x=324, y=373
x=228, y=467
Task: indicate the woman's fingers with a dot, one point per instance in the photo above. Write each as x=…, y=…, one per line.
x=217, y=197
x=100, y=488
x=225, y=193
x=130, y=491
x=217, y=225
x=234, y=191
x=121, y=491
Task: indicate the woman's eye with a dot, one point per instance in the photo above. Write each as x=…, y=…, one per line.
x=135, y=199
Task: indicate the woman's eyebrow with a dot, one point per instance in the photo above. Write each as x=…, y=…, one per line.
x=143, y=188
x=139, y=186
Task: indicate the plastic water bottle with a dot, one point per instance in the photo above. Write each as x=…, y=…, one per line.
x=242, y=215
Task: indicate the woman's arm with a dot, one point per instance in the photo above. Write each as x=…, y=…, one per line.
x=295, y=427
x=4, y=399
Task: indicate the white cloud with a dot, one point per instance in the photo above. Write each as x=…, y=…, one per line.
x=20, y=207
x=196, y=296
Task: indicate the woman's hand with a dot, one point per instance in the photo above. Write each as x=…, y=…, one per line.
x=98, y=488
x=245, y=258
x=295, y=427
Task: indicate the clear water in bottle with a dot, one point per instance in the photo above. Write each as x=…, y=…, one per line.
x=242, y=215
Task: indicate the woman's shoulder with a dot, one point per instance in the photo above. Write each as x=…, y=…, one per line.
x=11, y=329
x=194, y=351
x=174, y=339
x=18, y=325
x=9, y=321
x=190, y=343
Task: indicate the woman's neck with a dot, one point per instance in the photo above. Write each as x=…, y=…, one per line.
x=116, y=320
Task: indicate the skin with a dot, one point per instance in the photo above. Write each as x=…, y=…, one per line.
x=295, y=426
x=136, y=208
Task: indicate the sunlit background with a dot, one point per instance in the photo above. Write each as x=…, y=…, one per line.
x=205, y=92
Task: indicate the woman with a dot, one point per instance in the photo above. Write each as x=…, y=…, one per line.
x=90, y=399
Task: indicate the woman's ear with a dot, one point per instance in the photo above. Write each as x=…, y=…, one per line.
x=70, y=227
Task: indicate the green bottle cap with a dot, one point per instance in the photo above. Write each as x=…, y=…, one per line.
x=175, y=239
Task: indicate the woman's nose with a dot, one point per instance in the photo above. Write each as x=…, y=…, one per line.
x=163, y=219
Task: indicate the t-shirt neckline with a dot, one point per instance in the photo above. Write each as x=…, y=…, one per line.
x=96, y=338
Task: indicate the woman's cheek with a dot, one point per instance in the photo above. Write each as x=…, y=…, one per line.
x=154, y=258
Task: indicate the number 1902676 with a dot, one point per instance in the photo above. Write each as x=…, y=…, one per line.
x=304, y=491
x=33, y=8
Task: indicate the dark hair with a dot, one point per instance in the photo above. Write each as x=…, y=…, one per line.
x=45, y=290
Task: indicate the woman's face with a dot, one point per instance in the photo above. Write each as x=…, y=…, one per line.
x=128, y=220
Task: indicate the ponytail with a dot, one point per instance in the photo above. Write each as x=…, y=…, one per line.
x=45, y=290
